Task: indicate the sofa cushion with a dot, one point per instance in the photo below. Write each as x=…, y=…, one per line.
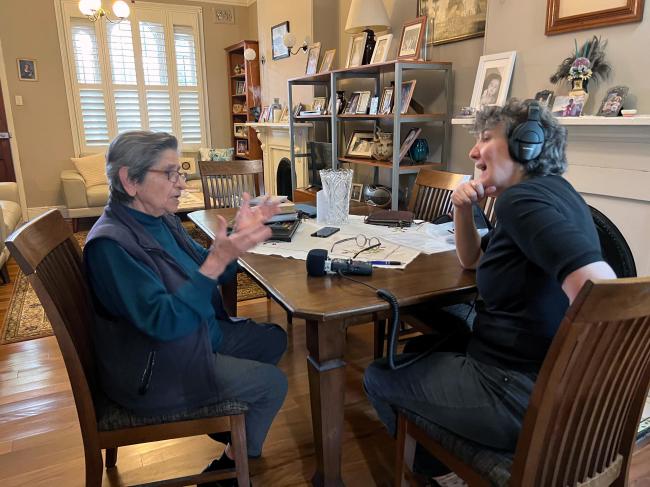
x=12, y=214
x=97, y=195
x=92, y=169
x=207, y=154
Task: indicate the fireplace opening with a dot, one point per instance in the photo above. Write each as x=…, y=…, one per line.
x=283, y=178
x=616, y=251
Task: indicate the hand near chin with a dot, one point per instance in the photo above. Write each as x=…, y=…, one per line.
x=470, y=192
x=251, y=216
x=227, y=248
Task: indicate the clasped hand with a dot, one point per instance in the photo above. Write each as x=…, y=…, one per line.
x=249, y=230
x=470, y=192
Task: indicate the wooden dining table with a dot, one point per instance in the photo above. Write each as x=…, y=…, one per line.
x=329, y=305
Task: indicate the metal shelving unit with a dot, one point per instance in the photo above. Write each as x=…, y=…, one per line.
x=375, y=72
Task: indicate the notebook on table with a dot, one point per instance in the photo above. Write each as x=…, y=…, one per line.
x=283, y=231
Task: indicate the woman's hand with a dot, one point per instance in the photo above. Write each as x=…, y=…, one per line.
x=252, y=216
x=469, y=193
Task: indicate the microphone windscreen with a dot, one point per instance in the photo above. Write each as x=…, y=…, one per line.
x=316, y=262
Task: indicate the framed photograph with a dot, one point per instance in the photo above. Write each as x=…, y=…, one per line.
x=568, y=106
x=313, y=53
x=356, y=49
x=284, y=116
x=386, y=101
x=328, y=60
x=382, y=45
x=493, y=79
x=408, y=142
x=264, y=114
x=297, y=109
x=571, y=15
x=278, y=48
x=351, y=107
x=240, y=87
x=357, y=192
x=242, y=147
x=374, y=105
x=319, y=104
x=27, y=70
x=613, y=101
x=408, y=87
x=544, y=98
x=240, y=130
x=453, y=21
x=362, y=104
x=360, y=144
x=411, y=40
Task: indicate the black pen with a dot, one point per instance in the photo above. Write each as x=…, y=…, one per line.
x=385, y=262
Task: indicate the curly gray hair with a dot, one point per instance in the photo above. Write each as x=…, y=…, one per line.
x=552, y=160
x=137, y=150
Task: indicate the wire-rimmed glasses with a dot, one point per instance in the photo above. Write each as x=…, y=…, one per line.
x=173, y=175
x=366, y=243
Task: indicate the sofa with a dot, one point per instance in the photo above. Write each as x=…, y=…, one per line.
x=11, y=217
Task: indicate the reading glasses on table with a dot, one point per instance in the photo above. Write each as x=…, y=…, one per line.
x=367, y=243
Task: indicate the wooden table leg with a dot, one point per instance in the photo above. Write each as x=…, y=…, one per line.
x=325, y=343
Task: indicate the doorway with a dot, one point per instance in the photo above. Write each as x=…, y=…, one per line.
x=6, y=162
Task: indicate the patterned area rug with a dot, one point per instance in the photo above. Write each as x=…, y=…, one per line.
x=25, y=318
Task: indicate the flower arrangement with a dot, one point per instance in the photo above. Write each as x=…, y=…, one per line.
x=586, y=63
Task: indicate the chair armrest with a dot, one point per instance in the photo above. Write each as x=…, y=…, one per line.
x=74, y=189
x=9, y=192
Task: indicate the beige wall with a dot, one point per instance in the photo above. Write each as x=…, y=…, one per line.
x=42, y=124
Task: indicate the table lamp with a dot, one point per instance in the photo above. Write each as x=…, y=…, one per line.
x=368, y=16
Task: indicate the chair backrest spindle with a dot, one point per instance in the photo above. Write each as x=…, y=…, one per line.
x=225, y=182
x=431, y=196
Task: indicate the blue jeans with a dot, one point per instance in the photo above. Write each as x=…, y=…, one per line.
x=246, y=371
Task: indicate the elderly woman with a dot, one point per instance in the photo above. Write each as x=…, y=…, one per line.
x=164, y=343
x=529, y=268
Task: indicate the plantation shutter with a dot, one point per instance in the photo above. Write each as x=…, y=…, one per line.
x=190, y=112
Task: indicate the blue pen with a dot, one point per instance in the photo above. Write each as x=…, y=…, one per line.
x=385, y=262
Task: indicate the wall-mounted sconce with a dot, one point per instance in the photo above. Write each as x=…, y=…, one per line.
x=289, y=40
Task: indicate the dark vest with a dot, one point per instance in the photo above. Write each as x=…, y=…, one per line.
x=143, y=374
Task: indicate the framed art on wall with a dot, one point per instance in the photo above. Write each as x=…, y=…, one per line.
x=450, y=21
x=411, y=39
x=27, y=70
x=572, y=15
x=493, y=79
x=279, y=50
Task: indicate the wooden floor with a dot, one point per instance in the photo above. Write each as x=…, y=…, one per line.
x=40, y=441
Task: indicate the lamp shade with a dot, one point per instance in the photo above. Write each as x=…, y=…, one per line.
x=289, y=40
x=367, y=14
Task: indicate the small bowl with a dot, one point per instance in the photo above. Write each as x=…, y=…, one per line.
x=628, y=112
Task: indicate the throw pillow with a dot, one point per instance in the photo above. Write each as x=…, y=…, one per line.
x=92, y=168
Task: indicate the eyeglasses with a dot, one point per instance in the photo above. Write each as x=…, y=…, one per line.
x=172, y=175
x=361, y=240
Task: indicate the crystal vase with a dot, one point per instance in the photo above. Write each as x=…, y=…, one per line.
x=337, y=184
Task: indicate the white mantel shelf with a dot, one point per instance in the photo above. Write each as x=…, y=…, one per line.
x=279, y=125
x=638, y=120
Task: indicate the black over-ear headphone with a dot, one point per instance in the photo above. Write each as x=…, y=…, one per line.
x=527, y=139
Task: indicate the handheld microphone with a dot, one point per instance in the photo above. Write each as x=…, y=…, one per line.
x=318, y=265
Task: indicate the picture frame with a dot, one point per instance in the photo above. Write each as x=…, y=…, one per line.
x=240, y=130
x=411, y=39
x=240, y=87
x=374, y=105
x=493, y=77
x=408, y=142
x=313, y=54
x=544, y=98
x=319, y=104
x=569, y=16
x=278, y=49
x=408, y=87
x=297, y=109
x=328, y=61
x=568, y=106
x=362, y=103
x=446, y=24
x=356, y=49
x=360, y=144
x=613, y=101
x=386, y=102
x=242, y=147
x=357, y=192
x=382, y=46
x=351, y=107
x=264, y=114
x=284, y=116
x=27, y=69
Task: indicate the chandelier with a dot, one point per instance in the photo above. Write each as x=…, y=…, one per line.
x=94, y=11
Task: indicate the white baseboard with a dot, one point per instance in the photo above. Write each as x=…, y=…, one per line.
x=39, y=210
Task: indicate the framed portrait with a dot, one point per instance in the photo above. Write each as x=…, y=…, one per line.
x=313, y=53
x=408, y=87
x=360, y=144
x=351, y=107
x=27, y=70
x=408, y=142
x=240, y=130
x=356, y=50
x=386, y=101
x=297, y=109
x=328, y=60
x=544, y=98
x=278, y=48
x=242, y=147
x=264, y=114
x=568, y=106
x=382, y=45
x=572, y=15
x=613, y=102
x=362, y=103
x=319, y=104
x=374, y=105
x=357, y=192
x=449, y=21
x=411, y=40
x=240, y=87
x=493, y=79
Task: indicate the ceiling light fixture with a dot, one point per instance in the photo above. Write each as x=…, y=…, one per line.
x=94, y=11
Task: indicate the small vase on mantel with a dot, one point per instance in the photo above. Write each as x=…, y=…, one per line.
x=579, y=88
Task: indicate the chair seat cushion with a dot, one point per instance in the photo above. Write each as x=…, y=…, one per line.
x=112, y=416
x=492, y=465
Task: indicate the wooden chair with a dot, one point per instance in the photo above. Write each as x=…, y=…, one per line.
x=50, y=257
x=583, y=416
x=225, y=182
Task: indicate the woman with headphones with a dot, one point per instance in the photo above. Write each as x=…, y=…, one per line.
x=529, y=268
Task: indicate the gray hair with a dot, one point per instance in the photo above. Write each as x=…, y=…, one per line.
x=138, y=150
x=552, y=160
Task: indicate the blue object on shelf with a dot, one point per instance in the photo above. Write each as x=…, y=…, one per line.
x=419, y=151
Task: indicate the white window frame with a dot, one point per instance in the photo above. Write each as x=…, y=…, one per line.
x=167, y=14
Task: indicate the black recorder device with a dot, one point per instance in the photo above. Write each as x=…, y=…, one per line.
x=318, y=264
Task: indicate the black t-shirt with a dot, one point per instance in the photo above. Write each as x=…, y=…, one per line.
x=544, y=232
